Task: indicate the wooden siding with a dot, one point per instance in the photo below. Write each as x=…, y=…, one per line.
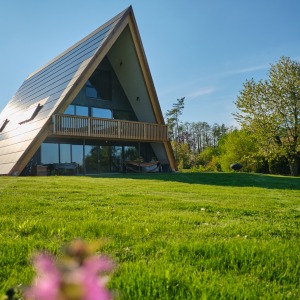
x=66, y=125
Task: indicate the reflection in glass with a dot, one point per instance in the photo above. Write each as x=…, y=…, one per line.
x=99, y=85
x=77, y=110
x=131, y=153
x=101, y=113
x=91, y=159
x=70, y=110
x=116, y=159
x=104, y=155
x=49, y=153
x=90, y=90
x=82, y=111
x=77, y=156
x=65, y=153
x=97, y=159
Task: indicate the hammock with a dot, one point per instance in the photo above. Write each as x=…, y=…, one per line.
x=135, y=166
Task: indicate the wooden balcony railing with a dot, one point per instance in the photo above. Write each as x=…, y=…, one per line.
x=67, y=125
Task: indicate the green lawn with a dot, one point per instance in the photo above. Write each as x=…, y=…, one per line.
x=173, y=236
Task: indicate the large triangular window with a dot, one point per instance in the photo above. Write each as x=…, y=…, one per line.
x=99, y=86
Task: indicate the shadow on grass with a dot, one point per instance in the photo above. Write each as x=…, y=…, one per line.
x=218, y=179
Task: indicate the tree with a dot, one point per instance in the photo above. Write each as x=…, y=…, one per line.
x=173, y=121
x=208, y=159
x=270, y=110
x=184, y=156
x=217, y=132
x=239, y=146
x=188, y=139
x=201, y=133
x=173, y=118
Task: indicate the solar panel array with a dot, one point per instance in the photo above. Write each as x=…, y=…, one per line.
x=41, y=92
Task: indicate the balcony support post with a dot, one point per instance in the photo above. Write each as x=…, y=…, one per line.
x=145, y=131
x=54, y=123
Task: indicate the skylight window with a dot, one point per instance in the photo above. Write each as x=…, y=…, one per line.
x=31, y=113
x=3, y=123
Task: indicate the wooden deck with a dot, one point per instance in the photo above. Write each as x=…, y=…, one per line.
x=77, y=126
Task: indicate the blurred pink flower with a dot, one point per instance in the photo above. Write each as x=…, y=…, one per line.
x=94, y=287
x=46, y=285
x=79, y=275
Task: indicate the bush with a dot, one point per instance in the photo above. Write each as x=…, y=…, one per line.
x=239, y=147
x=208, y=160
x=280, y=166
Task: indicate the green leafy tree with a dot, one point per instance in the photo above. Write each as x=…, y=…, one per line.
x=239, y=146
x=270, y=110
x=184, y=156
x=208, y=159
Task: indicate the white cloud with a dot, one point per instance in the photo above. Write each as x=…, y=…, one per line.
x=200, y=92
x=250, y=69
x=209, y=79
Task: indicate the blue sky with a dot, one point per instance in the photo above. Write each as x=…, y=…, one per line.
x=201, y=50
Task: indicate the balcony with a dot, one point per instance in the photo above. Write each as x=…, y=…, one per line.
x=77, y=126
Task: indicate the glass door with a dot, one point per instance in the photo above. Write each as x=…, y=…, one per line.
x=116, y=159
x=104, y=159
x=91, y=159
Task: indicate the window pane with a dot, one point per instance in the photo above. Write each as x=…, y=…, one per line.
x=130, y=153
x=70, y=110
x=90, y=92
x=77, y=156
x=82, y=111
x=101, y=113
x=101, y=82
x=49, y=153
x=116, y=159
x=91, y=159
x=65, y=153
x=104, y=156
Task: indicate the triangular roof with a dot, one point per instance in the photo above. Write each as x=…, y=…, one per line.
x=25, y=121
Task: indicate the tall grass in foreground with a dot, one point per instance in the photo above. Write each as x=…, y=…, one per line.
x=174, y=236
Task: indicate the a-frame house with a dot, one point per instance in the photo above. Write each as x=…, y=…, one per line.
x=94, y=107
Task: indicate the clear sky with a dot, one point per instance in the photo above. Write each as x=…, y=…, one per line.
x=203, y=50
